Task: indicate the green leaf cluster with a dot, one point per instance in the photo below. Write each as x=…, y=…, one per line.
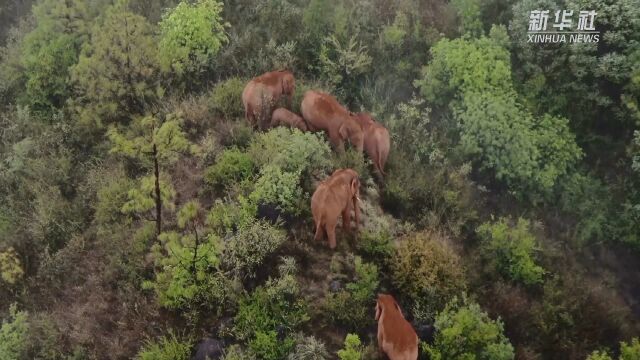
x=464, y=331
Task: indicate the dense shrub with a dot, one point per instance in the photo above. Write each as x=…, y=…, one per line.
x=11, y=270
x=291, y=150
x=309, y=348
x=350, y=307
x=511, y=249
x=169, y=347
x=232, y=166
x=190, y=35
x=353, y=348
x=464, y=331
x=473, y=78
x=14, y=334
x=226, y=98
x=631, y=350
x=224, y=218
x=425, y=269
x=245, y=251
x=269, y=316
x=279, y=188
x=187, y=263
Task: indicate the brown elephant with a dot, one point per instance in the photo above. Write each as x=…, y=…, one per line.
x=262, y=94
x=323, y=112
x=377, y=140
x=336, y=196
x=396, y=336
x=284, y=117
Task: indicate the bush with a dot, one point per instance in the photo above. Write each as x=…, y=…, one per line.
x=190, y=35
x=512, y=249
x=10, y=266
x=376, y=244
x=250, y=246
x=425, y=269
x=268, y=317
x=187, y=264
x=111, y=198
x=291, y=150
x=464, y=331
x=309, y=348
x=350, y=307
x=169, y=347
x=13, y=334
x=352, y=348
x=225, y=218
x=231, y=166
x=227, y=98
x=279, y=188
x=599, y=355
x=631, y=350
x=235, y=352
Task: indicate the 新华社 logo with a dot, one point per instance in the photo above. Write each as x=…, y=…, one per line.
x=562, y=28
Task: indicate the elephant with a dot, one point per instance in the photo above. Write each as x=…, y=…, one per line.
x=377, y=140
x=262, y=94
x=284, y=117
x=322, y=111
x=396, y=336
x=334, y=196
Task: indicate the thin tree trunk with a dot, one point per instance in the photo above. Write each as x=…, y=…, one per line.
x=195, y=253
x=156, y=171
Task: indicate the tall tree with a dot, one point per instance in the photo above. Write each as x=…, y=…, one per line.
x=155, y=144
x=116, y=75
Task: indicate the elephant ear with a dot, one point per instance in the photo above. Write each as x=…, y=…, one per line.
x=355, y=184
x=378, y=310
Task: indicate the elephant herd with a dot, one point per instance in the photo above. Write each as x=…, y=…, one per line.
x=340, y=193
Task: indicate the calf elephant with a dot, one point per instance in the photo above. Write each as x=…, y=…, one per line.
x=323, y=112
x=284, y=117
x=262, y=94
x=396, y=336
x=377, y=141
x=336, y=196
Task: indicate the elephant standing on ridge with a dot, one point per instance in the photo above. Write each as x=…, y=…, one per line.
x=377, y=140
x=284, y=117
x=261, y=95
x=336, y=196
x=323, y=112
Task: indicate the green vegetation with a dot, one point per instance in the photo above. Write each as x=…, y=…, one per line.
x=512, y=250
x=464, y=331
x=352, y=348
x=139, y=211
x=169, y=347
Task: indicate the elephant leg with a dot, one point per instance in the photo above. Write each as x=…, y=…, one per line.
x=330, y=228
x=346, y=218
x=319, y=231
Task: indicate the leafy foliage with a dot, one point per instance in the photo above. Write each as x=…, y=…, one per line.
x=226, y=98
x=349, y=307
x=272, y=309
x=14, y=334
x=352, y=348
x=115, y=76
x=250, y=246
x=464, y=331
x=169, y=347
x=231, y=166
x=512, y=250
x=427, y=271
x=473, y=77
x=190, y=34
